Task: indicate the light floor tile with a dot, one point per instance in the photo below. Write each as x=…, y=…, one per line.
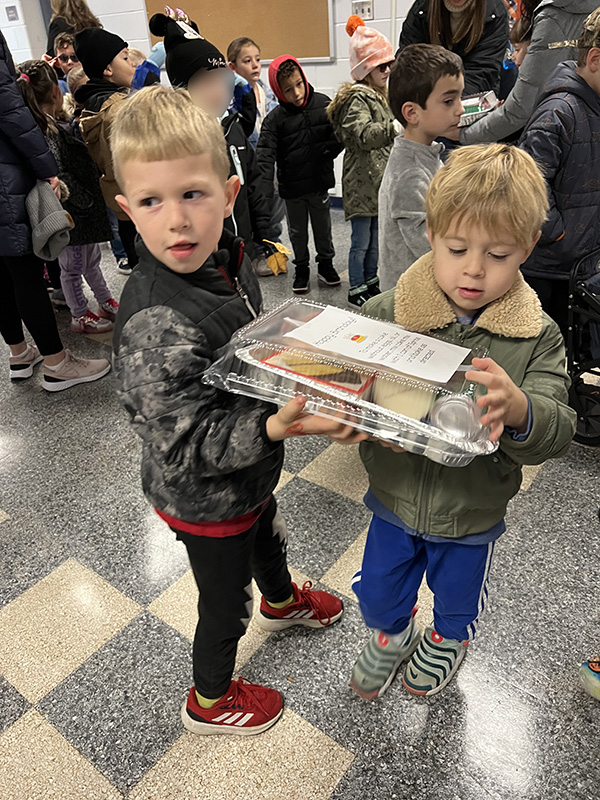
x=3, y=516
x=339, y=576
x=53, y=627
x=284, y=478
x=530, y=473
x=37, y=763
x=178, y=607
x=340, y=469
x=292, y=760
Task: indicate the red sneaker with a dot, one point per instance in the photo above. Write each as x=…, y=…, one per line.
x=109, y=309
x=246, y=709
x=310, y=607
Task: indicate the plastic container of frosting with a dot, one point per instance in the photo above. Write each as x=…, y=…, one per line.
x=395, y=385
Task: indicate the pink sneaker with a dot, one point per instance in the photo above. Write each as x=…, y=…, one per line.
x=109, y=309
x=90, y=323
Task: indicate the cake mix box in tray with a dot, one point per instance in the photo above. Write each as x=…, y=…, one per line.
x=395, y=385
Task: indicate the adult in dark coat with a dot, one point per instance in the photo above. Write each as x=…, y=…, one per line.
x=483, y=61
x=24, y=159
x=563, y=136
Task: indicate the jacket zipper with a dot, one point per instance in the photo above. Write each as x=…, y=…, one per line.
x=424, y=494
x=235, y=284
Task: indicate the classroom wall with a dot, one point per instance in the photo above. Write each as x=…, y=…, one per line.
x=128, y=19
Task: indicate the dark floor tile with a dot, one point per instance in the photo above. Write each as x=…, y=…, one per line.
x=321, y=523
x=121, y=707
x=12, y=703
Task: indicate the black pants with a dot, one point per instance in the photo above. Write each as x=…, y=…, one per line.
x=223, y=569
x=127, y=234
x=554, y=297
x=316, y=208
x=24, y=299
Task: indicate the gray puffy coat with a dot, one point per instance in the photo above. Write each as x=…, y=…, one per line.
x=557, y=25
x=24, y=158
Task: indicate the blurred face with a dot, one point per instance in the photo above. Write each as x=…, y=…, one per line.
x=212, y=90
x=441, y=114
x=120, y=70
x=474, y=267
x=247, y=64
x=520, y=52
x=379, y=76
x=178, y=208
x=293, y=88
x=67, y=59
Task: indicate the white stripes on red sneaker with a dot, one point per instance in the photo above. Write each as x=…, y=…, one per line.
x=301, y=614
x=232, y=718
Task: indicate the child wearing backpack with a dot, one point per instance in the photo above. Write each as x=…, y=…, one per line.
x=364, y=123
x=81, y=258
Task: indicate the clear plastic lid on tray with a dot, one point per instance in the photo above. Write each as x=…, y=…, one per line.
x=402, y=387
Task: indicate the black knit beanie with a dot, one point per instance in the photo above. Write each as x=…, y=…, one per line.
x=96, y=48
x=187, y=51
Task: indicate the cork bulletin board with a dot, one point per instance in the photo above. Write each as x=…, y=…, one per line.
x=303, y=29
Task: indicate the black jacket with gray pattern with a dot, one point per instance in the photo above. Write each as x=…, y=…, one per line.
x=206, y=456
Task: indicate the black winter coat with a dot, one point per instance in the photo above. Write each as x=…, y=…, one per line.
x=76, y=168
x=206, y=455
x=251, y=213
x=484, y=62
x=563, y=136
x=302, y=143
x=24, y=158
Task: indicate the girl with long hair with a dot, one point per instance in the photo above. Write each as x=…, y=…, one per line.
x=69, y=16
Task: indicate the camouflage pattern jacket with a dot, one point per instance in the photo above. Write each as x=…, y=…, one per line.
x=364, y=123
x=206, y=456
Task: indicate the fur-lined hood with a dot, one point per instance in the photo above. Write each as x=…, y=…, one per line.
x=421, y=306
x=337, y=108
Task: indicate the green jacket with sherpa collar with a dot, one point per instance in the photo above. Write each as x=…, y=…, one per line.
x=450, y=501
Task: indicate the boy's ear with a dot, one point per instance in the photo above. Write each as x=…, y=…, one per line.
x=122, y=201
x=410, y=112
x=231, y=66
x=536, y=239
x=232, y=188
x=593, y=59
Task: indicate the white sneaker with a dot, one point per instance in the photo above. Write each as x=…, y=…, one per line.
x=74, y=370
x=21, y=366
x=259, y=265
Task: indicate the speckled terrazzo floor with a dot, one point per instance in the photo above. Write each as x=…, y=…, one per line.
x=98, y=612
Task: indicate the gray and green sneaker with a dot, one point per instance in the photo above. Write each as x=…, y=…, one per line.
x=589, y=675
x=378, y=663
x=433, y=664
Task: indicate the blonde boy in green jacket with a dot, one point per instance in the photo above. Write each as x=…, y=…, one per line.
x=485, y=209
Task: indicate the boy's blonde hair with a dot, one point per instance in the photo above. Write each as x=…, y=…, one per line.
x=590, y=37
x=160, y=124
x=135, y=56
x=496, y=186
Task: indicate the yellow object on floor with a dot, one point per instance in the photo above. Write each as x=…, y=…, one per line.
x=277, y=261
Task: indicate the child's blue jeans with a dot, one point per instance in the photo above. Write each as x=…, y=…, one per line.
x=364, y=251
x=393, y=566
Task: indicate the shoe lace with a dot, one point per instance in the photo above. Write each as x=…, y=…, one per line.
x=242, y=696
x=311, y=599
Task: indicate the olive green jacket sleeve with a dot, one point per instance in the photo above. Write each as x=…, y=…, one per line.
x=546, y=384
